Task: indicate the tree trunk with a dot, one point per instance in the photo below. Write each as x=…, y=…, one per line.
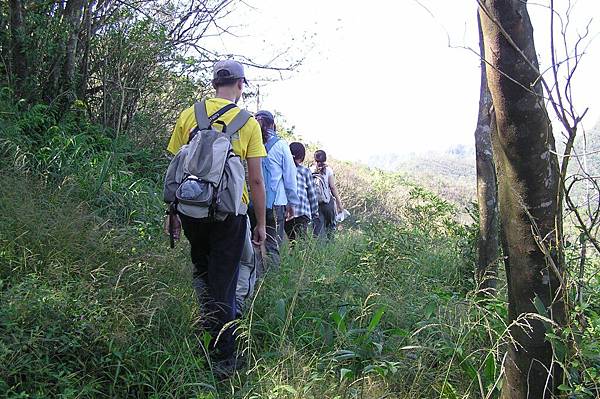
x=487, y=190
x=5, y=77
x=528, y=182
x=17, y=32
x=73, y=11
x=86, y=39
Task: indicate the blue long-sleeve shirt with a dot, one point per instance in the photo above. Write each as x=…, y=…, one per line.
x=283, y=174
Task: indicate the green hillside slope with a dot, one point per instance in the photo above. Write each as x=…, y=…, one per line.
x=450, y=174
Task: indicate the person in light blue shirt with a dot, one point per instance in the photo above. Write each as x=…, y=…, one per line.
x=279, y=173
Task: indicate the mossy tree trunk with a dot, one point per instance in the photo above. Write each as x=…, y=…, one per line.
x=528, y=182
x=487, y=190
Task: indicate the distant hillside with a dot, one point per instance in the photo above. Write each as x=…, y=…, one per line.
x=450, y=174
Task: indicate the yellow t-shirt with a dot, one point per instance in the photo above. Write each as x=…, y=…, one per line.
x=249, y=144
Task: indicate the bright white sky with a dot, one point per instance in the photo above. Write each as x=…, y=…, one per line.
x=379, y=76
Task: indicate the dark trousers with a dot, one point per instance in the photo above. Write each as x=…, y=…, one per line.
x=216, y=249
x=279, y=211
x=297, y=227
x=326, y=221
x=271, y=242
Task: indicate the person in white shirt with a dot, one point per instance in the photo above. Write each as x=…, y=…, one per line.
x=332, y=205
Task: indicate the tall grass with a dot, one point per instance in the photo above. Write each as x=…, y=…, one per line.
x=95, y=310
x=87, y=310
x=93, y=305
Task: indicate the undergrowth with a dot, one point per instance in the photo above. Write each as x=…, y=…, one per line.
x=92, y=304
x=95, y=310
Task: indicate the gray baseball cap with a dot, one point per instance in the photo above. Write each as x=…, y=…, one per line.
x=229, y=69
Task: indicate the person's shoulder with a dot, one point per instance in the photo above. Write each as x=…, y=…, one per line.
x=282, y=143
x=251, y=124
x=305, y=171
x=187, y=111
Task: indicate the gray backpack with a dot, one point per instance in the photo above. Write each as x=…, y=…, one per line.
x=322, y=188
x=206, y=178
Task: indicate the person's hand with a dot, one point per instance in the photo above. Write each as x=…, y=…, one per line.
x=340, y=207
x=166, y=225
x=259, y=235
x=176, y=226
x=289, y=213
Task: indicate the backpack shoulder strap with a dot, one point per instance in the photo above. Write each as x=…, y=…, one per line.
x=201, y=115
x=271, y=142
x=238, y=122
x=203, y=121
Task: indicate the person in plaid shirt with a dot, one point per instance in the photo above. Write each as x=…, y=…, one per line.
x=299, y=215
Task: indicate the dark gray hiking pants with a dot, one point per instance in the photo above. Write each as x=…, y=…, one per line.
x=272, y=240
x=326, y=222
x=216, y=249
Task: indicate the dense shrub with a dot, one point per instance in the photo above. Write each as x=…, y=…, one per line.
x=119, y=180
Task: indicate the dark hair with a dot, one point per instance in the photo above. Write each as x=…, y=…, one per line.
x=223, y=80
x=298, y=151
x=320, y=156
x=265, y=125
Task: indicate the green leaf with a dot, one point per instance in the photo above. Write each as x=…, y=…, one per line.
x=489, y=370
x=206, y=337
x=540, y=307
x=448, y=391
x=468, y=367
x=564, y=388
x=286, y=388
x=376, y=319
x=410, y=347
x=280, y=308
x=377, y=369
x=346, y=374
x=341, y=355
x=339, y=321
x=560, y=350
x=355, y=332
x=398, y=332
x=430, y=309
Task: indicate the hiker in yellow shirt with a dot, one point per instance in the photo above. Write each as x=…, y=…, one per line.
x=216, y=246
